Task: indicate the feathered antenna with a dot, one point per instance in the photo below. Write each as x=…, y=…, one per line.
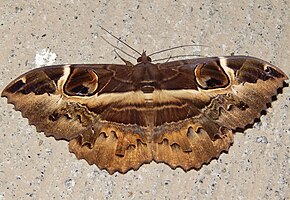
x=120, y=41
x=177, y=47
x=154, y=53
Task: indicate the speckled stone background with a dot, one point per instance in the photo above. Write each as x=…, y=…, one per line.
x=35, y=167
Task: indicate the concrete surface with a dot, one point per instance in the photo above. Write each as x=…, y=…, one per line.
x=35, y=167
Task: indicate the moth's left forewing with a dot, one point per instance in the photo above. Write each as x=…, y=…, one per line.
x=38, y=94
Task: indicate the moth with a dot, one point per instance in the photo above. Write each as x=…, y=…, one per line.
x=118, y=117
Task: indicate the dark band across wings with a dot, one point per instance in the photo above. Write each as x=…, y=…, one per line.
x=119, y=117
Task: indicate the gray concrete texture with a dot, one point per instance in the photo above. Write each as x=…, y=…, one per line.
x=35, y=167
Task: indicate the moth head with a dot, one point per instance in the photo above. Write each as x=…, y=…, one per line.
x=210, y=76
x=81, y=82
x=144, y=58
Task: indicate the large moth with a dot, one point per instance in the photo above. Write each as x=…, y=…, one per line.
x=182, y=113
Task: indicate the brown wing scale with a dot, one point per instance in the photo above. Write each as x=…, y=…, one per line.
x=119, y=117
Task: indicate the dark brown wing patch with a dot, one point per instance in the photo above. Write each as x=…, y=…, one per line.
x=119, y=117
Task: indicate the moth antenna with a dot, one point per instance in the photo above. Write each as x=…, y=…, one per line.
x=128, y=63
x=177, y=47
x=172, y=57
x=124, y=52
x=120, y=40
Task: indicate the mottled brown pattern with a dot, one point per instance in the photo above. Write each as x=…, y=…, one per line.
x=119, y=117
